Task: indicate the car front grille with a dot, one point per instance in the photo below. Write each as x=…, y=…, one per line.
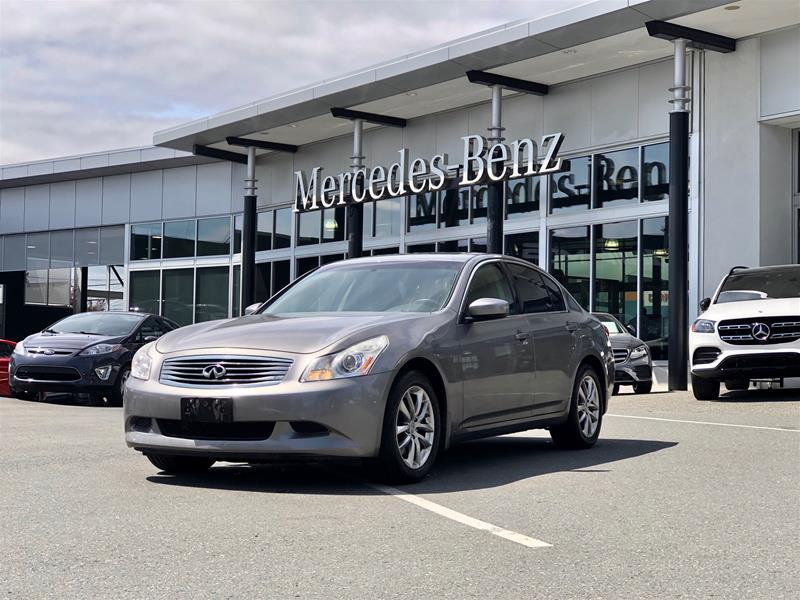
x=222, y=371
x=760, y=330
x=49, y=351
x=47, y=374
x=705, y=356
x=620, y=355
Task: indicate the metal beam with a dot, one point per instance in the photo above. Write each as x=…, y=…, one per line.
x=220, y=154
x=346, y=113
x=696, y=38
x=510, y=83
x=261, y=144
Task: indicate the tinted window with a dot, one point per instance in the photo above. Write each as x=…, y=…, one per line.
x=109, y=324
x=151, y=327
x=489, y=281
x=758, y=285
x=533, y=295
x=556, y=297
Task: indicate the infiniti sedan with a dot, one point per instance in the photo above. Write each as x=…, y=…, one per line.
x=393, y=358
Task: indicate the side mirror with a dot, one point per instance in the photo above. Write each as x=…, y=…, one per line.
x=150, y=338
x=252, y=308
x=484, y=309
x=631, y=329
x=704, y=304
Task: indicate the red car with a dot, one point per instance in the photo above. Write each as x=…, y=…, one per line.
x=6, y=348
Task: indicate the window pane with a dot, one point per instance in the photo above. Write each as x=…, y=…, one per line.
x=36, y=286
x=264, y=231
x=61, y=249
x=570, y=189
x=237, y=290
x=38, y=250
x=524, y=245
x=97, y=288
x=283, y=228
x=115, y=287
x=454, y=246
x=176, y=300
x=522, y=196
x=654, y=317
x=330, y=258
x=655, y=172
x=455, y=207
x=617, y=177
x=422, y=211
x=570, y=261
x=280, y=275
x=238, y=225
x=59, y=287
x=112, y=245
x=214, y=236
x=143, y=294
x=179, y=239
x=263, y=274
x=306, y=264
x=86, y=247
x=489, y=282
x=333, y=224
x=211, y=299
x=368, y=220
x=387, y=217
x=477, y=245
x=145, y=241
x=532, y=293
x=14, y=253
x=308, y=226
x=615, y=269
x=416, y=248
x=382, y=251
x=480, y=200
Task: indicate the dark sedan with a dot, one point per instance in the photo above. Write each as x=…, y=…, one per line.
x=632, y=363
x=88, y=353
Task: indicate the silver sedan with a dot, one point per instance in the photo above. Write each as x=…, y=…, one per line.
x=393, y=357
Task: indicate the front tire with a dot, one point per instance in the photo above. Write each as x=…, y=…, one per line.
x=582, y=427
x=704, y=389
x=643, y=387
x=412, y=430
x=180, y=465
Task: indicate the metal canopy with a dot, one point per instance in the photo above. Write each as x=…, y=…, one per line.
x=346, y=113
x=510, y=83
x=696, y=38
x=220, y=154
x=262, y=144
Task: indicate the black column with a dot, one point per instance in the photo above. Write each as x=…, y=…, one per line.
x=678, y=249
x=355, y=230
x=494, y=219
x=249, y=253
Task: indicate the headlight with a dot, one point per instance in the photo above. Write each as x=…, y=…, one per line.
x=101, y=349
x=638, y=352
x=703, y=326
x=355, y=361
x=142, y=361
x=19, y=349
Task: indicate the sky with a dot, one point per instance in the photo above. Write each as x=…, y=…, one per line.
x=82, y=76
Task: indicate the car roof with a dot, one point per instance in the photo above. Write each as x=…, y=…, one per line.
x=137, y=313
x=768, y=269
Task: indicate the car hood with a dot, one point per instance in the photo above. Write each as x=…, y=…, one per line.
x=624, y=340
x=770, y=307
x=67, y=341
x=300, y=334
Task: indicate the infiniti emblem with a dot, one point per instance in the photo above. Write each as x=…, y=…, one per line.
x=214, y=372
x=760, y=331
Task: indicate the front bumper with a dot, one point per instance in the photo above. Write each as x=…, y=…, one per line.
x=350, y=410
x=73, y=374
x=758, y=363
x=631, y=372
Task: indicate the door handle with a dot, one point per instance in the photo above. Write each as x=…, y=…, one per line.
x=523, y=336
x=571, y=327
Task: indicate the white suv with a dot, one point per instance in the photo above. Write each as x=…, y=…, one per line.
x=749, y=330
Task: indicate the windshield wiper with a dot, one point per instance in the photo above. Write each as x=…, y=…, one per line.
x=48, y=330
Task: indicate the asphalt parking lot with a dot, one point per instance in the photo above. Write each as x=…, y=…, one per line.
x=679, y=499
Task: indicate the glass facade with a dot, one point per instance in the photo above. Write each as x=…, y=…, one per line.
x=211, y=294
x=177, y=296
x=570, y=261
x=179, y=239
x=616, y=267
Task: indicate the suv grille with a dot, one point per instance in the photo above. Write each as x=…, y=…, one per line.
x=620, y=355
x=705, y=356
x=760, y=330
x=219, y=371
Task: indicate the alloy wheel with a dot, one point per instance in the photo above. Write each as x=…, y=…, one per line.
x=415, y=427
x=588, y=406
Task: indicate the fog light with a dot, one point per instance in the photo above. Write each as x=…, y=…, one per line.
x=103, y=372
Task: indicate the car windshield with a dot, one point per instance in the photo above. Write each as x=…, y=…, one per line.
x=760, y=285
x=383, y=287
x=108, y=324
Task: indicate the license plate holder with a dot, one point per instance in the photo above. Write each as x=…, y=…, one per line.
x=207, y=410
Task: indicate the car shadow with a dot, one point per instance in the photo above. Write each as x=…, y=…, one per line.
x=481, y=464
x=754, y=395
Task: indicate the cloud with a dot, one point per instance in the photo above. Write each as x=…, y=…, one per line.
x=83, y=76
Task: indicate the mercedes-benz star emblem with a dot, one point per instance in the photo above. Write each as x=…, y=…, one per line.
x=214, y=372
x=761, y=331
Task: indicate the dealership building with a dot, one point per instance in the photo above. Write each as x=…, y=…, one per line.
x=160, y=228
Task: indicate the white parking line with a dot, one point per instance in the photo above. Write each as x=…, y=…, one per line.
x=705, y=423
x=462, y=518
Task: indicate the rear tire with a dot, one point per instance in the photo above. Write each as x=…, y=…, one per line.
x=412, y=430
x=737, y=385
x=180, y=465
x=643, y=387
x=582, y=427
x=704, y=389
